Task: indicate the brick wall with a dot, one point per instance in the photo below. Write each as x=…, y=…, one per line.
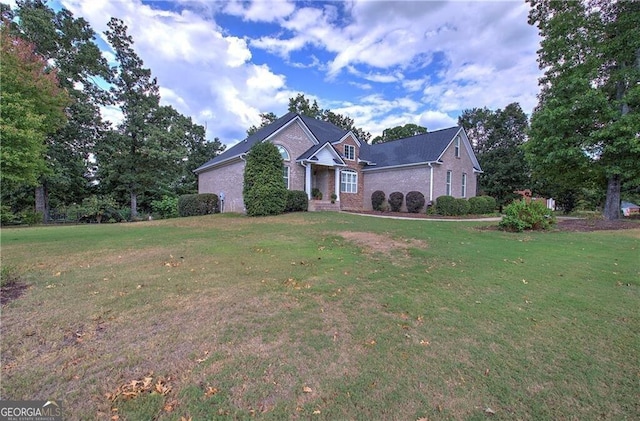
x=403, y=180
x=228, y=178
x=457, y=166
x=352, y=201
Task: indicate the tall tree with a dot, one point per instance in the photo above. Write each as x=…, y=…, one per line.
x=586, y=126
x=32, y=108
x=130, y=159
x=399, y=132
x=266, y=119
x=301, y=105
x=68, y=44
x=498, y=137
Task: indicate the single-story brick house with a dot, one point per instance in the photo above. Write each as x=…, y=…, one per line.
x=318, y=154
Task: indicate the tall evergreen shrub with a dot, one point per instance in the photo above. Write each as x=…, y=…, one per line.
x=264, y=192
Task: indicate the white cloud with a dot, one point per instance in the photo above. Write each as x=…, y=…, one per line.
x=202, y=71
x=260, y=10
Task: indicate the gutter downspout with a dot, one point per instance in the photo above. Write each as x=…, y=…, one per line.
x=430, y=183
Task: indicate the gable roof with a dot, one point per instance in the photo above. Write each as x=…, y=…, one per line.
x=419, y=149
x=321, y=131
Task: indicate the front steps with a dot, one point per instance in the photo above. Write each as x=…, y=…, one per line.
x=323, y=205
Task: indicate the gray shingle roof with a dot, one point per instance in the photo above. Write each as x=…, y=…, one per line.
x=425, y=147
x=322, y=131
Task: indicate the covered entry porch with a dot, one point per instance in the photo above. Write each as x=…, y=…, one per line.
x=322, y=177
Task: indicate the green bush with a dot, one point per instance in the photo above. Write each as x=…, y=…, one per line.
x=377, y=200
x=198, y=204
x=446, y=205
x=7, y=217
x=297, y=201
x=165, y=208
x=477, y=205
x=264, y=191
x=461, y=206
x=395, y=201
x=490, y=204
x=316, y=193
x=520, y=216
x=31, y=217
x=415, y=201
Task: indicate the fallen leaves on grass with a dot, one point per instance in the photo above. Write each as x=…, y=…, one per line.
x=135, y=388
x=307, y=389
x=210, y=391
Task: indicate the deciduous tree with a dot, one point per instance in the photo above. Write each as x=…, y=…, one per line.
x=399, y=132
x=586, y=126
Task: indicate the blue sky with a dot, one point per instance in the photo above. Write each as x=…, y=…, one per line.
x=382, y=63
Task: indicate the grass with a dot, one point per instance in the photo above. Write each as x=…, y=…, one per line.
x=323, y=316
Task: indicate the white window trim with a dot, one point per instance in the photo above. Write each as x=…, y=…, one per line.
x=281, y=149
x=346, y=155
x=287, y=178
x=448, y=183
x=353, y=183
x=456, y=146
x=464, y=184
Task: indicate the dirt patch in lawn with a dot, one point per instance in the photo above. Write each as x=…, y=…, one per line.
x=376, y=243
x=12, y=291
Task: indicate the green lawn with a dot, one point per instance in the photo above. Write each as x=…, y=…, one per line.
x=323, y=316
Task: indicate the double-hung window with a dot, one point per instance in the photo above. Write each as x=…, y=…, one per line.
x=448, y=187
x=350, y=152
x=348, y=181
x=464, y=184
x=285, y=176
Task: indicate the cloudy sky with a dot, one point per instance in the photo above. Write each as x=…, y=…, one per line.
x=382, y=63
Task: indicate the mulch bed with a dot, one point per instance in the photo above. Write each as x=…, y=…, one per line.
x=574, y=225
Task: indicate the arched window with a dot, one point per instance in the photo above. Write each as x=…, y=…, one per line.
x=348, y=181
x=283, y=152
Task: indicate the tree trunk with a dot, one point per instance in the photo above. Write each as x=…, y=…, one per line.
x=134, y=205
x=42, y=202
x=612, y=203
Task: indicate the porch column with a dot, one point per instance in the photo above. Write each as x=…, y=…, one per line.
x=307, y=180
x=337, y=183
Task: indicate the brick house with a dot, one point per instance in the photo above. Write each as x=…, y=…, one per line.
x=319, y=155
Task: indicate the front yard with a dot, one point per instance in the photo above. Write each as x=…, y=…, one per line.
x=322, y=316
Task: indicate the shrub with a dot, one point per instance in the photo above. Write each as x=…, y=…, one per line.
x=198, y=204
x=477, y=205
x=445, y=205
x=520, y=216
x=316, y=193
x=264, y=191
x=461, y=206
x=490, y=204
x=415, y=201
x=297, y=201
x=377, y=200
x=7, y=217
x=165, y=208
x=395, y=201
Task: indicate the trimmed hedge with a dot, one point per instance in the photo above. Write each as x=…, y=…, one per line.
x=490, y=204
x=461, y=206
x=445, y=205
x=198, y=204
x=477, y=205
x=297, y=201
x=415, y=201
x=520, y=216
x=377, y=200
x=395, y=201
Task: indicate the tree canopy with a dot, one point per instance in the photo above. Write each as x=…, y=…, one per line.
x=586, y=127
x=33, y=106
x=497, y=137
x=399, y=132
